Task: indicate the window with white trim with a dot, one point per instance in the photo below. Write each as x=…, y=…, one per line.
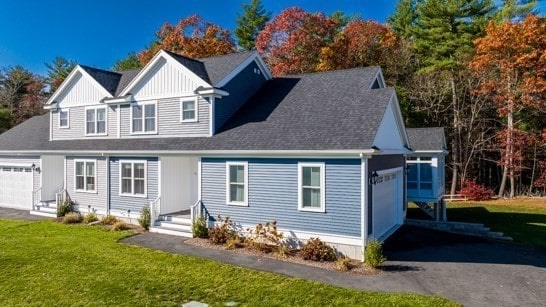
x=64, y=118
x=133, y=178
x=144, y=118
x=188, y=110
x=311, y=187
x=85, y=175
x=95, y=121
x=237, y=183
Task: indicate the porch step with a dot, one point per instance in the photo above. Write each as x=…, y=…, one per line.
x=469, y=229
x=172, y=232
x=176, y=225
x=43, y=213
x=425, y=207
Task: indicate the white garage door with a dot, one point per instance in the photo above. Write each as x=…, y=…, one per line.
x=16, y=187
x=387, y=202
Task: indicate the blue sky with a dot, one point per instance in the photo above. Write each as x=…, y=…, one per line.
x=97, y=33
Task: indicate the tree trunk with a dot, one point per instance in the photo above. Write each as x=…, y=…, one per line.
x=455, y=144
x=533, y=170
x=510, y=139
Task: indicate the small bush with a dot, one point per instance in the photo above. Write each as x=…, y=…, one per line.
x=316, y=250
x=65, y=207
x=283, y=251
x=265, y=237
x=373, y=254
x=108, y=220
x=72, y=218
x=119, y=225
x=234, y=242
x=344, y=264
x=145, y=219
x=223, y=231
x=90, y=218
x=199, y=228
x=475, y=191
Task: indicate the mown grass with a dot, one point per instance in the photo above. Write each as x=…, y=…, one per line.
x=523, y=219
x=43, y=263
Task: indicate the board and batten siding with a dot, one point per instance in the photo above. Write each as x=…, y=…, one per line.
x=24, y=161
x=77, y=122
x=119, y=203
x=97, y=200
x=80, y=91
x=168, y=119
x=240, y=89
x=273, y=195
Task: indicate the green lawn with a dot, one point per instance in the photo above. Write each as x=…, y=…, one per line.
x=43, y=263
x=523, y=219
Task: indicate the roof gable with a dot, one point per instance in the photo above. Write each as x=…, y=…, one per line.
x=427, y=139
x=223, y=68
x=81, y=86
x=171, y=72
x=391, y=134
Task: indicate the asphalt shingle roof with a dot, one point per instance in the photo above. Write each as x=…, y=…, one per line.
x=426, y=138
x=321, y=111
x=197, y=67
x=107, y=79
x=218, y=67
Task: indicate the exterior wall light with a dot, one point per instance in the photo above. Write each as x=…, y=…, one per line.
x=373, y=178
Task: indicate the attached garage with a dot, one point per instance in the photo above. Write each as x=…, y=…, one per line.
x=18, y=181
x=387, y=201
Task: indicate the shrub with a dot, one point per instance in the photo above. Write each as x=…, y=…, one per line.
x=344, y=264
x=145, y=219
x=234, y=242
x=119, y=225
x=283, y=251
x=72, y=218
x=90, y=218
x=316, y=250
x=475, y=191
x=199, y=228
x=223, y=231
x=265, y=237
x=108, y=220
x=65, y=207
x=373, y=254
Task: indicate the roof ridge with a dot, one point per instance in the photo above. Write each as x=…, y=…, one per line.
x=228, y=54
x=99, y=69
x=182, y=56
x=332, y=71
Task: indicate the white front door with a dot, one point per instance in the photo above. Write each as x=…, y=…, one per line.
x=387, y=202
x=16, y=187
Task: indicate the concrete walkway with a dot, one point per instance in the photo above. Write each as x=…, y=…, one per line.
x=471, y=271
x=15, y=214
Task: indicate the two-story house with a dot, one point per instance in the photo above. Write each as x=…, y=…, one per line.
x=322, y=153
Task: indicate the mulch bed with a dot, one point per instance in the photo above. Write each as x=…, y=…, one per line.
x=356, y=266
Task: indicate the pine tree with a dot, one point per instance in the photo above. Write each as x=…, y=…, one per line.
x=250, y=23
x=129, y=62
x=443, y=36
x=57, y=71
x=403, y=18
x=515, y=9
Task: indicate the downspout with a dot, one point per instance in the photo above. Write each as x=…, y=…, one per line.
x=364, y=201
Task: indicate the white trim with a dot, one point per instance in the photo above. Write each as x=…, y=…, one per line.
x=212, y=124
x=96, y=108
x=118, y=111
x=67, y=110
x=68, y=80
x=143, y=104
x=349, y=154
x=364, y=203
x=199, y=188
x=133, y=162
x=322, y=167
x=51, y=125
x=169, y=59
x=118, y=100
x=228, y=200
x=196, y=110
x=378, y=76
x=85, y=161
x=212, y=91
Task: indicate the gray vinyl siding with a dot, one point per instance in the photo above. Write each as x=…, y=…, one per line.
x=273, y=195
x=377, y=163
x=135, y=204
x=97, y=200
x=76, y=128
x=168, y=120
x=26, y=161
x=240, y=89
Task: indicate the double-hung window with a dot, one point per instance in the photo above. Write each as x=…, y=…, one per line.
x=64, y=118
x=133, y=178
x=237, y=183
x=311, y=183
x=95, y=121
x=85, y=175
x=188, y=110
x=144, y=118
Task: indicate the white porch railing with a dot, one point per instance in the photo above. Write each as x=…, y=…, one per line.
x=60, y=197
x=195, y=211
x=155, y=209
x=36, y=197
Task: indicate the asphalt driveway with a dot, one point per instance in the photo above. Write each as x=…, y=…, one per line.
x=472, y=271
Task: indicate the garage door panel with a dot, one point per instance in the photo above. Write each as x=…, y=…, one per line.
x=16, y=187
x=386, y=198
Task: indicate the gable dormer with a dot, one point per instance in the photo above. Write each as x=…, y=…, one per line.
x=391, y=134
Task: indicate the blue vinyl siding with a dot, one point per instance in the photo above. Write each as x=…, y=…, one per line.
x=135, y=204
x=273, y=195
x=240, y=89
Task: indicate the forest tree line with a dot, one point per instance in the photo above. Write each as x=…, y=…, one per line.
x=475, y=67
